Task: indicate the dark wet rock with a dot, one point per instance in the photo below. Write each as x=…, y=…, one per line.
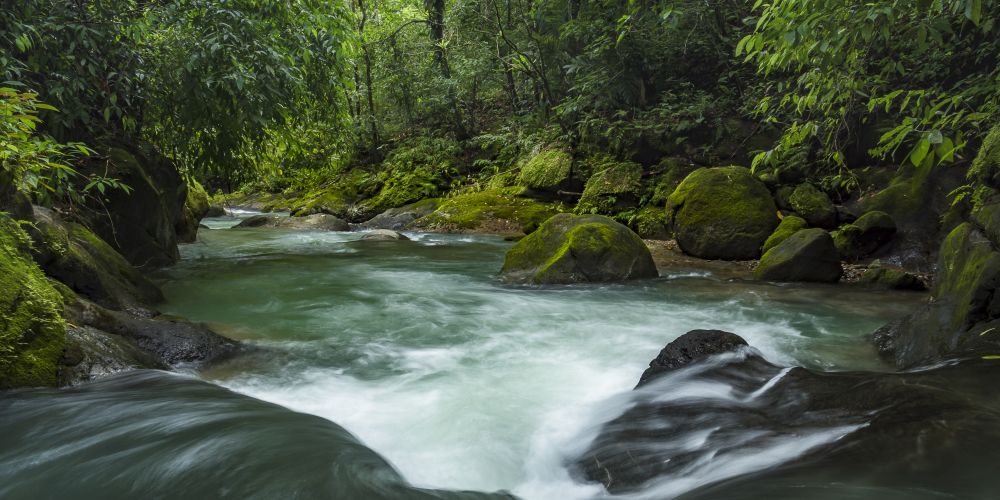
x=384, y=235
x=963, y=316
x=171, y=340
x=141, y=224
x=216, y=211
x=91, y=354
x=722, y=213
x=864, y=236
x=72, y=254
x=738, y=421
x=691, y=347
x=399, y=218
x=261, y=220
x=807, y=255
x=814, y=206
x=578, y=248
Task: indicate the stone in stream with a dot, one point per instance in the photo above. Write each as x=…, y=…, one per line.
x=721, y=420
x=384, y=235
x=216, y=211
x=399, y=218
x=578, y=248
x=807, y=255
x=319, y=222
x=195, y=208
x=722, y=213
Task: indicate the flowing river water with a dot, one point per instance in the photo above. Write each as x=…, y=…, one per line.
x=445, y=379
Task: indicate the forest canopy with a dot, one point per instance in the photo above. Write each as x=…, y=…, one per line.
x=266, y=91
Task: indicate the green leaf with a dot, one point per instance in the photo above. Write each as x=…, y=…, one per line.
x=919, y=152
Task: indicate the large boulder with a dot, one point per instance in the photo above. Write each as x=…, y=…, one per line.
x=790, y=225
x=739, y=423
x=864, y=236
x=722, y=213
x=196, y=207
x=578, y=248
x=814, y=206
x=91, y=354
x=32, y=330
x=807, y=255
x=141, y=224
x=72, y=254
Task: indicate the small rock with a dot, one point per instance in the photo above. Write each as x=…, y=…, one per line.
x=384, y=235
x=688, y=348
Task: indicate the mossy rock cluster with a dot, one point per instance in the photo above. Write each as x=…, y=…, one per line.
x=650, y=223
x=72, y=254
x=578, y=248
x=807, y=255
x=615, y=186
x=550, y=170
x=498, y=211
x=813, y=205
x=864, y=236
x=789, y=225
x=722, y=213
x=32, y=331
x=890, y=278
x=403, y=188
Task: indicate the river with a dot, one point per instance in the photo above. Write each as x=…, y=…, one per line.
x=438, y=371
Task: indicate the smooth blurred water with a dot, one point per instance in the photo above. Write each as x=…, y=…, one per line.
x=461, y=382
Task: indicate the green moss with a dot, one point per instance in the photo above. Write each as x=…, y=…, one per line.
x=813, y=205
x=986, y=167
x=650, y=223
x=32, y=331
x=614, y=186
x=806, y=255
x=547, y=170
x=490, y=211
x=967, y=273
x=892, y=279
x=674, y=172
x=788, y=226
x=197, y=198
x=569, y=248
x=722, y=213
x=847, y=239
x=404, y=188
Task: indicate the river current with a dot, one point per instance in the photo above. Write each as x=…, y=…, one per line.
x=436, y=377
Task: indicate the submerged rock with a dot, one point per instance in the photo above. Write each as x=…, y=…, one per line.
x=691, y=347
x=384, y=235
x=32, y=330
x=724, y=421
x=807, y=255
x=722, y=213
x=578, y=248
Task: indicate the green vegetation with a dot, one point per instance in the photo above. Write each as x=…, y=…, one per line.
x=788, y=226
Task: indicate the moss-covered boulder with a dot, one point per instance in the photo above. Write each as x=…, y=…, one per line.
x=650, y=223
x=722, y=213
x=615, y=186
x=578, y=248
x=865, y=236
x=500, y=211
x=814, y=206
x=790, y=225
x=891, y=278
x=32, y=331
x=399, y=218
x=402, y=188
x=548, y=171
x=141, y=224
x=986, y=166
x=807, y=255
x=196, y=207
x=72, y=254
